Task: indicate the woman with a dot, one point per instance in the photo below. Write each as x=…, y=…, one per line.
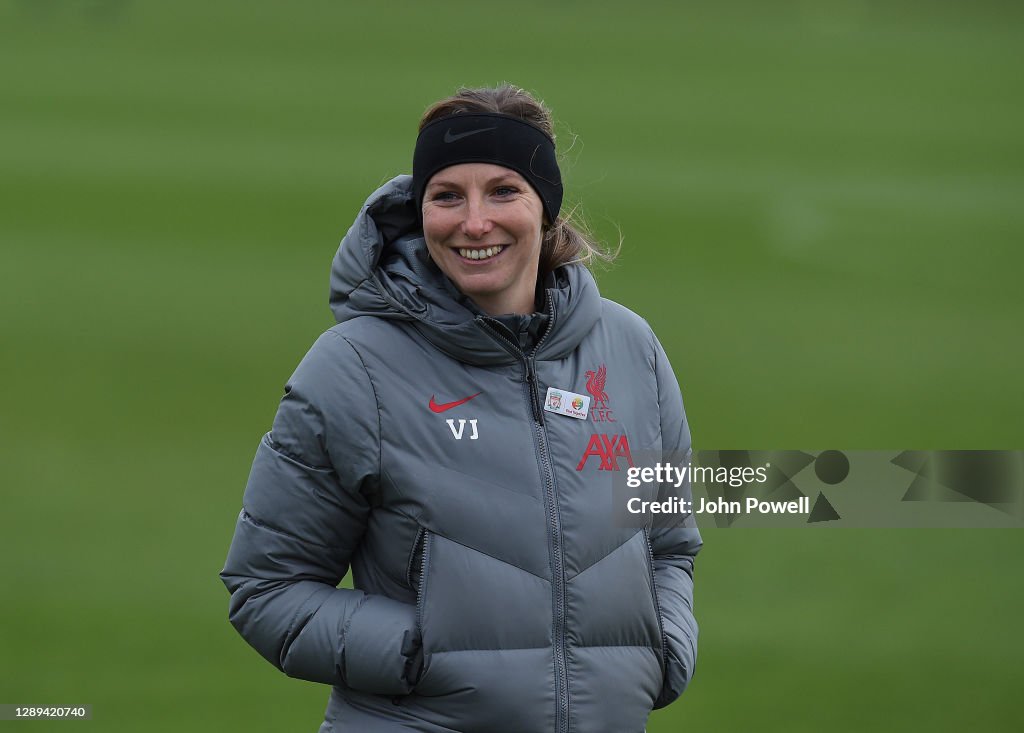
x=452, y=440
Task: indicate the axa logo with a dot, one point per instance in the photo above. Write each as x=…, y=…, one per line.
x=609, y=450
x=600, y=411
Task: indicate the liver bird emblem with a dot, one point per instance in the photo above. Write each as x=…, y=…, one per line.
x=595, y=385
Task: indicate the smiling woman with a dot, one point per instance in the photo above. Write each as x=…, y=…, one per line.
x=483, y=226
x=426, y=442
x=513, y=133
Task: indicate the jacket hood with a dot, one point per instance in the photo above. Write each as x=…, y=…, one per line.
x=382, y=269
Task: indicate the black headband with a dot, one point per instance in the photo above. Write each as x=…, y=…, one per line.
x=489, y=138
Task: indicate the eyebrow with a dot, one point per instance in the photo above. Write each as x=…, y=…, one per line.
x=445, y=183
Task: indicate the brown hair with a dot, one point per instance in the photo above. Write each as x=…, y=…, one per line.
x=565, y=240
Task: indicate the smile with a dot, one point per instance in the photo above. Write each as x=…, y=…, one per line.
x=481, y=254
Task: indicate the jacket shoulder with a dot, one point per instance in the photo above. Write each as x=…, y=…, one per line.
x=366, y=329
x=328, y=413
x=630, y=328
x=623, y=316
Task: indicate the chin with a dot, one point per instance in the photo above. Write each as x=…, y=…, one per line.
x=479, y=291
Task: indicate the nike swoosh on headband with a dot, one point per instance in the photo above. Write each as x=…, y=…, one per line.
x=450, y=138
x=434, y=407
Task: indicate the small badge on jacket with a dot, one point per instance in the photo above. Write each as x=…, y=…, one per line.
x=566, y=403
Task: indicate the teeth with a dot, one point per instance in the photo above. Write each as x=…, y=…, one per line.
x=480, y=254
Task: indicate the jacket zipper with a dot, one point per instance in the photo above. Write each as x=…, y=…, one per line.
x=531, y=381
x=551, y=504
x=421, y=585
x=657, y=604
x=416, y=554
x=529, y=365
x=558, y=578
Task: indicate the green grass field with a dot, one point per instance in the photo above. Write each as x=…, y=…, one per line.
x=821, y=212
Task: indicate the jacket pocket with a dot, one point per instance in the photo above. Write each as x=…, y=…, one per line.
x=663, y=651
x=414, y=569
x=419, y=562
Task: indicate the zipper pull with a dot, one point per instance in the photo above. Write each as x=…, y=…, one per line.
x=531, y=380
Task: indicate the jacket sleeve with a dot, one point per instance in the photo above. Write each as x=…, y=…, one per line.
x=303, y=514
x=675, y=545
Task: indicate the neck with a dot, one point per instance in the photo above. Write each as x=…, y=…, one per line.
x=497, y=306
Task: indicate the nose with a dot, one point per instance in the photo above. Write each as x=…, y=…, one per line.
x=477, y=222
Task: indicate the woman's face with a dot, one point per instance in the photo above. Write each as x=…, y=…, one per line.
x=483, y=226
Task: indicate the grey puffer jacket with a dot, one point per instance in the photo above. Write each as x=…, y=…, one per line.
x=494, y=591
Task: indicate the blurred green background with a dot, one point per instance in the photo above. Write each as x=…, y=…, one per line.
x=821, y=211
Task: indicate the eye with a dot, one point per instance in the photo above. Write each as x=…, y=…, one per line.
x=505, y=191
x=444, y=196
